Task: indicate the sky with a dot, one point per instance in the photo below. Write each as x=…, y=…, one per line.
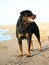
x=10, y=10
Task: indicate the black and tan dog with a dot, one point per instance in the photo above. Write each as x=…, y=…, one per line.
x=25, y=28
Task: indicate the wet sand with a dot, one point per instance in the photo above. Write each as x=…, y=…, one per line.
x=9, y=49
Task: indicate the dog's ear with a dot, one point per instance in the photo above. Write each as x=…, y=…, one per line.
x=23, y=13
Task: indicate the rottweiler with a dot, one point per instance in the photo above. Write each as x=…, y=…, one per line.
x=25, y=27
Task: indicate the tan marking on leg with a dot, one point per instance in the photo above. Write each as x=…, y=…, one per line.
x=27, y=35
x=21, y=50
x=19, y=35
x=39, y=45
x=31, y=46
x=28, y=53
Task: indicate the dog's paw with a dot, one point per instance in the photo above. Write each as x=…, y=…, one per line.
x=28, y=55
x=20, y=55
x=40, y=49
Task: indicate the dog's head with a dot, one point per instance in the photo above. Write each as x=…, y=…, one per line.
x=27, y=15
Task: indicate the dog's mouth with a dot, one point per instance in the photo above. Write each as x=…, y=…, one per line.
x=30, y=19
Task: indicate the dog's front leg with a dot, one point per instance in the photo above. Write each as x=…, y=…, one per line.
x=20, y=46
x=28, y=50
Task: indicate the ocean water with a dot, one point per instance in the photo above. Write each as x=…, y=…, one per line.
x=4, y=37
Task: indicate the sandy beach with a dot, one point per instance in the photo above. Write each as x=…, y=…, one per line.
x=9, y=49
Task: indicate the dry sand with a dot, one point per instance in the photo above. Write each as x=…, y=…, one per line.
x=9, y=49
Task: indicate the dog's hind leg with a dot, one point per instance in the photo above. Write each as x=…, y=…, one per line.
x=31, y=46
x=20, y=46
x=39, y=45
x=38, y=38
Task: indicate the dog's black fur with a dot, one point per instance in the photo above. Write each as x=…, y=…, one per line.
x=33, y=28
x=20, y=27
x=23, y=29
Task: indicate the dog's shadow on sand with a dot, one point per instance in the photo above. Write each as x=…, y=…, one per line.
x=36, y=51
